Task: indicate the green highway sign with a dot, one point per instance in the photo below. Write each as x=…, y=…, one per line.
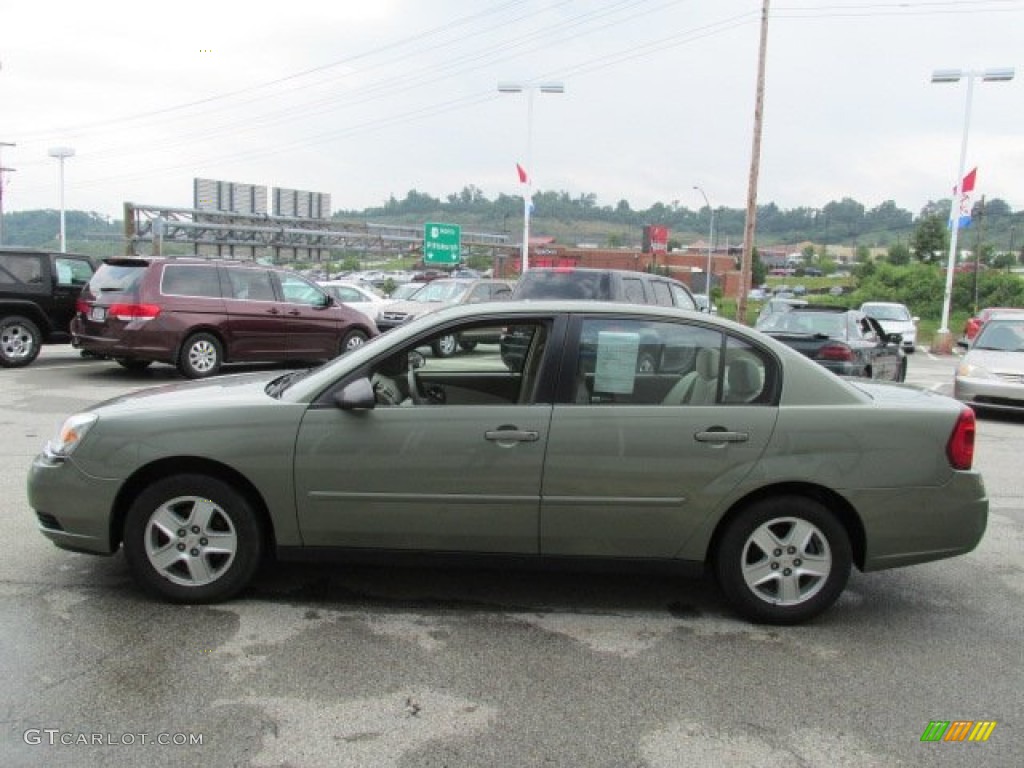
x=442, y=243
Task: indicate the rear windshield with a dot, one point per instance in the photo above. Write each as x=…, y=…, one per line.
x=571, y=284
x=117, y=278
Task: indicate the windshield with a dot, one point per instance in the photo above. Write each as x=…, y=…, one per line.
x=887, y=312
x=441, y=291
x=570, y=284
x=831, y=324
x=1004, y=336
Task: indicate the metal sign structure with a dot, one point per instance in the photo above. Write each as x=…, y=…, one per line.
x=225, y=234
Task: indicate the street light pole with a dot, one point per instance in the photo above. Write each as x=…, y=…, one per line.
x=943, y=338
x=711, y=241
x=3, y=170
x=530, y=89
x=61, y=153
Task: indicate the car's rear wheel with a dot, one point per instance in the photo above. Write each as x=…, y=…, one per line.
x=20, y=340
x=445, y=346
x=192, y=539
x=783, y=560
x=134, y=365
x=353, y=340
x=201, y=356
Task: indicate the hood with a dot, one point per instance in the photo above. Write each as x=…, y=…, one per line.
x=996, y=361
x=217, y=392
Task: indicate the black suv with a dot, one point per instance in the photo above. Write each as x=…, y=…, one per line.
x=38, y=290
x=603, y=285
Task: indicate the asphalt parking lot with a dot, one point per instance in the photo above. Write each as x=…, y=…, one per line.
x=377, y=666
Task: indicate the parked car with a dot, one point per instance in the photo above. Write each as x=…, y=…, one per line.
x=197, y=314
x=602, y=285
x=973, y=324
x=38, y=291
x=894, y=318
x=441, y=293
x=358, y=296
x=846, y=341
x=749, y=460
x=990, y=375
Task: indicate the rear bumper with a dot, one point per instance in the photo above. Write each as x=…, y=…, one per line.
x=918, y=525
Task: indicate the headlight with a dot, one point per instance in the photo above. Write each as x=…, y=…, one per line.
x=72, y=431
x=968, y=370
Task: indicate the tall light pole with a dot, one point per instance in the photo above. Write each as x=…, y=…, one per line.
x=944, y=339
x=61, y=153
x=3, y=170
x=530, y=89
x=711, y=240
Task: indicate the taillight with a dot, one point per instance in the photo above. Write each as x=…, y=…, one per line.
x=82, y=306
x=835, y=352
x=129, y=312
x=960, y=447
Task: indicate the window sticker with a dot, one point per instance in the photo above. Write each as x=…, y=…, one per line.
x=617, y=354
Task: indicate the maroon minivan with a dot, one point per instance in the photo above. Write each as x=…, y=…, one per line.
x=197, y=314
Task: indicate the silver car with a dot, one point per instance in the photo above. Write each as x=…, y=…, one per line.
x=894, y=318
x=991, y=375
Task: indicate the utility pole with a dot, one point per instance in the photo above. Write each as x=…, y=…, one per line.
x=747, y=261
x=977, y=249
x=3, y=170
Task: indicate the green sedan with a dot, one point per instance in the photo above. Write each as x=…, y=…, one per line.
x=628, y=435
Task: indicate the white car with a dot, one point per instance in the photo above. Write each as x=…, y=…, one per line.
x=359, y=296
x=894, y=318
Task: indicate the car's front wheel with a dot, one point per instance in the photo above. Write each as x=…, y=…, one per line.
x=353, y=340
x=20, y=341
x=446, y=346
x=201, y=356
x=192, y=539
x=783, y=560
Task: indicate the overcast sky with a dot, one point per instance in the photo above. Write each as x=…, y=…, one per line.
x=364, y=99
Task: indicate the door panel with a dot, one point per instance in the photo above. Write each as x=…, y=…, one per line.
x=635, y=481
x=425, y=477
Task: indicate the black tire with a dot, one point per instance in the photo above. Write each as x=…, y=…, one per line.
x=446, y=346
x=467, y=346
x=192, y=539
x=353, y=340
x=201, y=355
x=803, y=574
x=134, y=365
x=20, y=340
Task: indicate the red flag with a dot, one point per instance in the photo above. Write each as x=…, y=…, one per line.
x=967, y=185
x=523, y=178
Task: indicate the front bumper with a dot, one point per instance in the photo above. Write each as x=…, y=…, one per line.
x=73, y=509
x=994, y=393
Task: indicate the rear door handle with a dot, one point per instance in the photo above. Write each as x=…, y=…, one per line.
x=512, y=435
x=721, y=436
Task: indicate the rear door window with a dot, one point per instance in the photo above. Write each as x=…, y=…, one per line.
x=191, y=280
x=633, y=290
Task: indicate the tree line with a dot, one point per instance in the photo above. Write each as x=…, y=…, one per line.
x=841, y=222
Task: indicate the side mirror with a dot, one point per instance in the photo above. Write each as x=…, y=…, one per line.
x=416, y=359
x=356, y=396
